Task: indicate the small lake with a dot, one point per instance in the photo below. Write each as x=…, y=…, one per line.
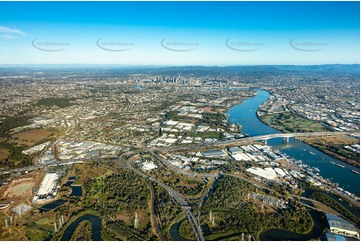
x=76, y=191
x=52, y=205
x=96, y=224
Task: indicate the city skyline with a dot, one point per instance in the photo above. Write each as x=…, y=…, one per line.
x=153, y=33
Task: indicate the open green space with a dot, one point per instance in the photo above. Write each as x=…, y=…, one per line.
x=60, y=102
x=167, y=210
x=234, y=213
x=216, y=135
x=291, y=123
x=187, y=186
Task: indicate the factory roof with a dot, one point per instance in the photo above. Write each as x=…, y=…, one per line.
x=269, y=174
x=339, y=223
x=212, y=153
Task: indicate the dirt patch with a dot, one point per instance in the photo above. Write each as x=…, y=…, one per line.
x=20, y=188
x=4, y=154
x=23, y=187
x=30, y=137
x=206, y=109
x=122, y=217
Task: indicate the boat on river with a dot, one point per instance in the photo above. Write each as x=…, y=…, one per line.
x=342, y=166
x=358, y=173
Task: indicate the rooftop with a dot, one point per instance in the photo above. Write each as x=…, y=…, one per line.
x=340, y=223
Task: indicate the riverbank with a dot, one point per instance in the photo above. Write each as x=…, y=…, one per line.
x=174, y=229
x=327, y=148
x=245, y=114
x=288, y=122
x=95, y=223
x=70, y=226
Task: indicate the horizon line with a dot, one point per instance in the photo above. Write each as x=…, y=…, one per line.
x=191, y=65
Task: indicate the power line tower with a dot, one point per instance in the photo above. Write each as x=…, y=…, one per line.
x=136, y=221
x=55, y=228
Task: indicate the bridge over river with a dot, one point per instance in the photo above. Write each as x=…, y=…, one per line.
x=286, y=136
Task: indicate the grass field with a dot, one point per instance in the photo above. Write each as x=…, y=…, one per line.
x=37, y=234
x=216, y=135
x=47, y=223
x=31, y=137
x=22, y=189
x=292, y=123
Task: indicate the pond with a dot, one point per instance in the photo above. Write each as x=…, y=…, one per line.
x=95, y=223
x=52, y=205
x=76, y=191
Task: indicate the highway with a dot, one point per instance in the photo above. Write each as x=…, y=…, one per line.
x=39, y=166
x=180, y=200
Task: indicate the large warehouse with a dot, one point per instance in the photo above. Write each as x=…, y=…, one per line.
x=340, y=226
x=48, y=186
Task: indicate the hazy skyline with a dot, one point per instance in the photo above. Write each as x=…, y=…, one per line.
x=179, y=33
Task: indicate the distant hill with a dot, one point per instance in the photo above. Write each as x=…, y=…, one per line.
x=260, y=69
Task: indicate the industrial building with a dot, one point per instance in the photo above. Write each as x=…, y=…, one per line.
x=214, y=153
x=48, y=187
x=267, y=173
x=340, y=226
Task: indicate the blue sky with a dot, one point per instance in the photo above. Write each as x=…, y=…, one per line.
x=179, y=33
